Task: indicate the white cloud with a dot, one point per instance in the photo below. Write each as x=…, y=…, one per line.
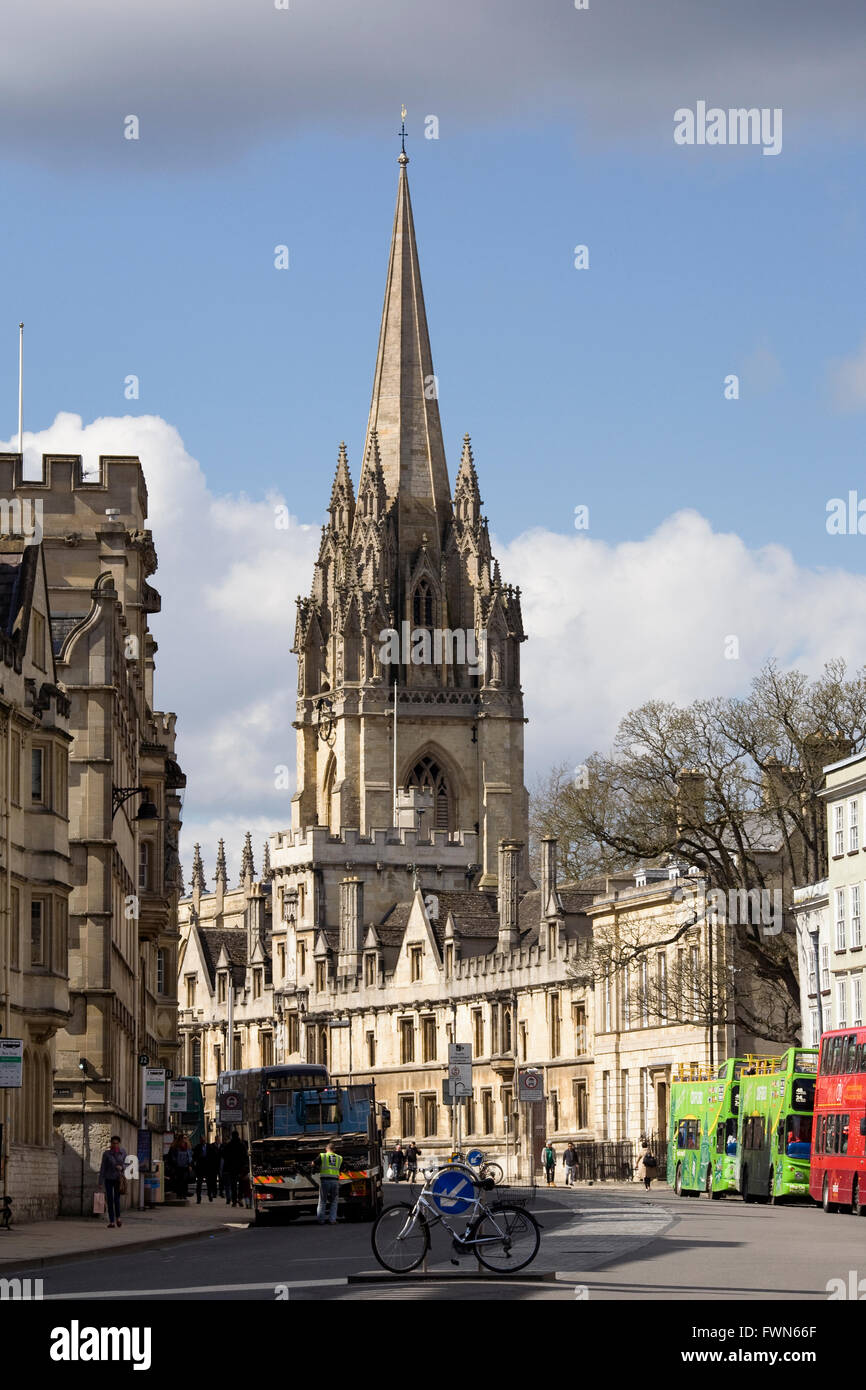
x=848, y=380
x=610, y=626
x=228, y=579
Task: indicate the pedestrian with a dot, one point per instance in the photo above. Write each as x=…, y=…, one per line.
x=234, y=1161
x=182, y=1167
x=569, y=1159
x=412, y=1162
x=548, y=1158
x=398, y=1159
x=205, y=1163
x=646, y=1165
x=330, y=1164
x=113, y=1179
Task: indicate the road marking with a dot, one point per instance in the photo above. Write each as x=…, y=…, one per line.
x=201, y=1288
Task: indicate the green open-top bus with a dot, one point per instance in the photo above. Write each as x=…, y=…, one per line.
x=702, y=1139
x=774, y=1141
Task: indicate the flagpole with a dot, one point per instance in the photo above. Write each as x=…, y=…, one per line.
x=21, y=393
x=395, y=753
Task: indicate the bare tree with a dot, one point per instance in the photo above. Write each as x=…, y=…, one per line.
x=730, y=786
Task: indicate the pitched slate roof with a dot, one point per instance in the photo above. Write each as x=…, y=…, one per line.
x=213, y=939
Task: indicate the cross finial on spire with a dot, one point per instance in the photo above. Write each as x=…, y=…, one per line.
x=403, y=157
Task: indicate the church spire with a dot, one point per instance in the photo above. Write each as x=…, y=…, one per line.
x=405, y=409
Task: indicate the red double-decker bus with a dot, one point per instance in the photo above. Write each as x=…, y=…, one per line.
x=837, y=1173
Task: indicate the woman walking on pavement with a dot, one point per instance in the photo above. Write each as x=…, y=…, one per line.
x=111, y=1175
x=646, y=1165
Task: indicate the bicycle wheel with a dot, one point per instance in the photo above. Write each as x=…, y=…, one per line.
x=400, y=1238
x=508, y=1239
x=493, y=1170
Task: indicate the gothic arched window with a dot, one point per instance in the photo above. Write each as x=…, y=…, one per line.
x=422, y=605
x=427, y=774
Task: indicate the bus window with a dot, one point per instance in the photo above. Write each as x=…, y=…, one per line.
x=727, y=1138
x=835, y=1050
x=845, y=1119
x=863, y=1056
x=687, y=1134
x=850, y=1054
x=798, y=1136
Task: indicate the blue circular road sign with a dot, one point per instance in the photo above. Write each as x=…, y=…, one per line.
x=453, y=1191
x=475, y=1157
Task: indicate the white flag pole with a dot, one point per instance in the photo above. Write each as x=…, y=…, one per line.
x=21, y=393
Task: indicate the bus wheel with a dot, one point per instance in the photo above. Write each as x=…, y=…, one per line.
x=678, y=1181
x=771, y=1196
x=744, y=1187
x=857, y=1208
x=711, y=1191
x=825, y=1195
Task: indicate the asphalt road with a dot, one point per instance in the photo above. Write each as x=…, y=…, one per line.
x=597, y=1244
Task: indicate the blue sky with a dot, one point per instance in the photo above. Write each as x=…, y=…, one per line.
x=601, y=387
x=606, y=384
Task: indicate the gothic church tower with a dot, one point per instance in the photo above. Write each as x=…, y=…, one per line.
x=406, y=590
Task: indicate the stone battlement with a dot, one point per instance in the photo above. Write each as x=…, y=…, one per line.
x=317, y=842
x=118, y=479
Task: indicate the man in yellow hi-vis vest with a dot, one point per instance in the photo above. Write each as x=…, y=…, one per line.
x=330, y=1164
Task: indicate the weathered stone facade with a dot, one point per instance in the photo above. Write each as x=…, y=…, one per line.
x=34, y=873
x=123, y=934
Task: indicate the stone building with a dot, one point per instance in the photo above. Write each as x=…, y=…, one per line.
x=226, y=945
x=34, y=874
x=829, y=913
x=124, y=806
x=399, y=913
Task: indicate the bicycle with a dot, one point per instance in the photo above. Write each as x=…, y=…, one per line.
x=504, y=1237
x=487, y=1168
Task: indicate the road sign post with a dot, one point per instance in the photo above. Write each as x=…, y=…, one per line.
x=460, y=1077
x=530, y=1085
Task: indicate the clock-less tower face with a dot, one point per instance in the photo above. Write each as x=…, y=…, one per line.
x=406, y=594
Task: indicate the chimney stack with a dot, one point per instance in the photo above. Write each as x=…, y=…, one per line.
x=509, y=880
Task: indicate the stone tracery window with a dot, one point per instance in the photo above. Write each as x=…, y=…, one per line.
x=422, y=605
x=427, y=774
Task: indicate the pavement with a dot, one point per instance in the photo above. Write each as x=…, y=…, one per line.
x=39, y=1244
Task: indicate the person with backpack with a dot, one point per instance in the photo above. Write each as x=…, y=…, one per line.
x=647, y=1164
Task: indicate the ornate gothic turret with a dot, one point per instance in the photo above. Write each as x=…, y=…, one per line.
x=221, y=875
x=248, y=868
